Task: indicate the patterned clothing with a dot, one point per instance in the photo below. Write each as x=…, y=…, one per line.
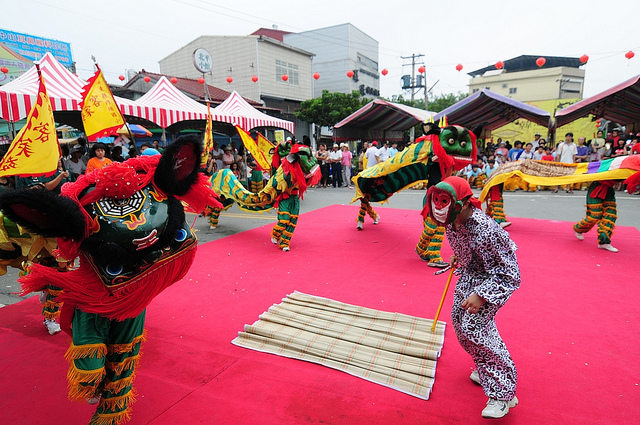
x=488, y=267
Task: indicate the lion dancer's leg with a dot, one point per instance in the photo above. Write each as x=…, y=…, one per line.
x=496, y=206
x=608, y=223
x=430, y=243
x=214, y=216
x=256, y=182
x=102, y=357
x=366, y=208
x=593, y=216
x=51, y=308
x=288, y=213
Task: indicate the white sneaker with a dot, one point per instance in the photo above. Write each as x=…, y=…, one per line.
x=212, y=227
x=285, y=249
x=377, y=220
x=274, y=241
x=608, y=247
x=505, y=224
x=359, y=225
x=52, y=326
x=498, y=408
x=94, y=400
x=475, y=377
x=580, y=236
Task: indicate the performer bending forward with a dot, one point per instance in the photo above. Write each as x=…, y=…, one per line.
x=489, y=273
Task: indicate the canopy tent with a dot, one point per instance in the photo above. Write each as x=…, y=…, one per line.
x=620, y=104
x=485, y=106
x=63, y=87
x=379, y=120
x=250, y=117
x=174, y=106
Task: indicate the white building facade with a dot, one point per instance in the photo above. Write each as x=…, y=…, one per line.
x=339, y=49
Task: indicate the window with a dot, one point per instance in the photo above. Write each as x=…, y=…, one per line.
x=475, y=90
x=283, y=67
x=513, y=90
x=505, y=85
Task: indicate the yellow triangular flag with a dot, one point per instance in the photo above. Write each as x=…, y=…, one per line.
x=263, y=160
x=35, y=150
x=99, y=110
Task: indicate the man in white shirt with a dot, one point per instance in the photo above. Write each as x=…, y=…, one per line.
x=384, y=152
x=535, y=141
x=372, y=155
x=565, y=153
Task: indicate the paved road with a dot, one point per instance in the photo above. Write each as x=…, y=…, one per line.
x=541, y=205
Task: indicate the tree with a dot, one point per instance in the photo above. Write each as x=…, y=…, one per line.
x=330, y=108
x=436, y=104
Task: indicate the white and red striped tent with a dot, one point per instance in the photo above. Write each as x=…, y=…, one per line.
x=63, y=87
x=250, y=116
x=64, y=90
x=174, y=106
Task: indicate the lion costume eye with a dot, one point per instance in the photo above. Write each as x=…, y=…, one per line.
x=181, y=235
x=114, y=269
x=463, y=144
x=451, y=141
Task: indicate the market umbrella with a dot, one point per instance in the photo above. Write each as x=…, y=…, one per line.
x=136, y=129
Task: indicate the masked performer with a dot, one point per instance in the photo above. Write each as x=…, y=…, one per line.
x=489, y=273
x=601, y=210
x=127, y=223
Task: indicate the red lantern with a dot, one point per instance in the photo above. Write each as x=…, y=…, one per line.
x=316, y=75
x=541, y=61
x=4, y=70
x=201, y=80
x=174, y=80
x=384, y=71
x=284, y=77
x=629, y=54
x=422, y=69
x=459, y=67
x=120, y=77
x=499, y=65
x=254, y=78
x=350, y=73
x=229, y=80
x=584, y=59
x=147, y=79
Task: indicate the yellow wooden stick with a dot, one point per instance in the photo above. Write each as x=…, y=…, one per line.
x=444, y=295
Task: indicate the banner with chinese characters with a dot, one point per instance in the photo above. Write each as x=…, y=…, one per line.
x=100, y=114
x=208, y=138
x=35, y=150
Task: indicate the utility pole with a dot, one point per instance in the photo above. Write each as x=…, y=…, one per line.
x=413, y=85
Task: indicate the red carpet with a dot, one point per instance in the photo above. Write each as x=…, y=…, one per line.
x=572, y=328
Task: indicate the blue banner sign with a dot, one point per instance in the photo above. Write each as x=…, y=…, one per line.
x=34, y=48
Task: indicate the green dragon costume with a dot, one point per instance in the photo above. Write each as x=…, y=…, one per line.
x=435, y=155
x=293, y=169
x=601, y=202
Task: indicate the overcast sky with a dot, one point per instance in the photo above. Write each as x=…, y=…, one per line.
x=136, y=34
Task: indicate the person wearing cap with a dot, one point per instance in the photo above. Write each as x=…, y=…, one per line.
x=502, y=150
x=347, y=156
x=228, y=157
x=98, y=158
x=485, y=257
x=536, y=140
x=335, y=158
x=372, y=155
x=566, y=153
x=74, y=164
